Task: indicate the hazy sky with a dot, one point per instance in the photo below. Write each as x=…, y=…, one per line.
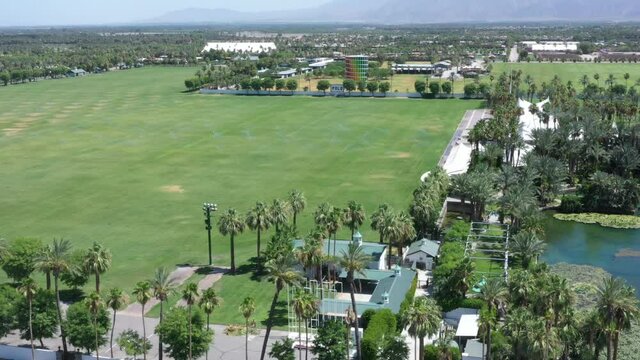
x=76, y=12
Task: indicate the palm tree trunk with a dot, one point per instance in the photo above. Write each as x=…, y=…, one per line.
x=144, y=336
x=160, y=352
x=48, y=275
x=295, y=215
x=610, y=347
x=63, y=334
x=33, y=349
x=246, y=339
x=381, y=238
x=489, y=342
x=415, y=348
x=233, y=256
x=97, y=282
x=306, y=340
x=616, y=339
x=272, y=313
x=389, y=256
x=113, y=326
x=353, y=304
x=95, y=326
x=206, y=354
x=421, y=348
x=190, y=357
x=299, y=338
x=258, y=251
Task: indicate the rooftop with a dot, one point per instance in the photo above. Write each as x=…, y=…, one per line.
x=374, y=250
x=426, y=246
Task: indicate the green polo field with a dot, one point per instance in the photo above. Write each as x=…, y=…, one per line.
x=127, y=159
x=572, y=72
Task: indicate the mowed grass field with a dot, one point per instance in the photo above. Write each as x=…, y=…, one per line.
x=544, y=72
x=127, y=159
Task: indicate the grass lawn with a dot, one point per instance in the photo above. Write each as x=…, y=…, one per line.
x=569, y=71
x=127, y=159
x=400, y=83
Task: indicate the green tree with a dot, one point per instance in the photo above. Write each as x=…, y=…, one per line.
x=94, y=304
x=383, y=215
x=28, y=289
x=617, y=306
x=163, y=286
x=423, y=319
x=394, y=348
x=76, y=275
x=44, y=323
x=97, y=261
x=447, y=88
x=372, y=87
x=292, y=85
x=8, y=303
x=323, y=85
x=57, y=260
x=256, y=84
x=354, y=261
x=5, y=77
x=280, y=84
x=268, y=83
x=434, y=88
x=247, y=308
x=305, y=307
x=190, y=295
x=362, y=86
x=297, y=203
x=20, y=260
x=232, y=224
x=85, y=329
x=116, y=300
x=259, y=219
x=420, y=86
x=279, y=213
x=527, y=247
x=208, y=302
x=331, y=341
x=282, y=350
x=132, y=343
x=280, y=270
x=175, y=333
x=349, y=85
x=143, y=293
x=353, y=216
x=384, y=87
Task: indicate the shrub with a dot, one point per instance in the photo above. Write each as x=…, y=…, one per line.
x=473, y=303
x=21, y=261
x=408, y=300
x=458, y=231
x=381, y=326
x=366, y=317
x=571, y=204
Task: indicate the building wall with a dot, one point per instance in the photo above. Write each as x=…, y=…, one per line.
x=356, y=67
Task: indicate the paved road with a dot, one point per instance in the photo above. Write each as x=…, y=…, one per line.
x=223, y=347
x=513, y=54
x=469, y=120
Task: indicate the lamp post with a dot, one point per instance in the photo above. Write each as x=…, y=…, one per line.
x=208, y=208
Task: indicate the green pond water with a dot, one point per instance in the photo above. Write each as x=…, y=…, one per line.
x=594, y=245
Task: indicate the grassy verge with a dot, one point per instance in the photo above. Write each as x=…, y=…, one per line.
x=606, y=220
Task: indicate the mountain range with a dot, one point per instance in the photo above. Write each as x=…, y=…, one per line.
x=422, y=12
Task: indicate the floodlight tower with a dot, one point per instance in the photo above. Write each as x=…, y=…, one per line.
x=208, y=208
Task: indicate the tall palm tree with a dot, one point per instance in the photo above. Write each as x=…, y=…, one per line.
x=379, y=218
x=116, y=300
x=543, y=342
x=527, y=247
x=515, y=327
x=487, y=320
x=208, y=302
x=423, y=319
x=143, y=293
x=163, y=285
x=57, y=260
x=584, y=81
x=298, y=304
x=353, y=216
x=596, y=77
x=279, y=211
x=232, y=224
x=626, y=77
x=28, y=289
x=310, y=310
x=280, y=270
x=190, y=296
x=354, y=261
x=617, y=307
x=43, y=264
x=247, y=308
x=333, y=225
x=258, y=219
x=94, y=303
x=297, y=203
x=494, y=293
x=321, y=215
x=611, y=80
x=97, y=260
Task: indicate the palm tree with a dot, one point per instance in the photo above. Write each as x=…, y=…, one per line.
x=28, y=289
x=353, y=216
x=279, y=270
x=398, y=231
x=494, y=293
x=527, y=247
x=190, y=296
x=297, y=203
x=298, y=304
x=57, y=260
x=626, y=79
x=322, y=214
x=97, y=260
x=43, y=264
x=611, y=80
x=379, y=218
x=163, y=285
x=208, y=302
x=143, y=294
x=354, y=261
x=515, y=327
x=584, y=81
x=94, y=303
x=231, y=224
x=333, y=225
x=247, y=307
x=617, y=307
x=279, y=211
x=422, y=319
x=116, y=300
x=542, y=340
x=310, y=310
x=596, y=77
x=258, y=219
x=486, y=322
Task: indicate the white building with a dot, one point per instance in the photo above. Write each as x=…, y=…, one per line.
x=555, y=46
x=248, y=47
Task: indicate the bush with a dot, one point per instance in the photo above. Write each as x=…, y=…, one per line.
x=406, y=303
x=80, y=329
x=382, y=326
x=473, y=303
x=21, y=261
x=458, y=231
x=8, y=300
x=570, y=204
x=366, y=317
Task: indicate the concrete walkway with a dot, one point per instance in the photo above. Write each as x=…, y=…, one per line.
x=207, y=282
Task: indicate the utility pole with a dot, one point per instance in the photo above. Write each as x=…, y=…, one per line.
x=208, y=208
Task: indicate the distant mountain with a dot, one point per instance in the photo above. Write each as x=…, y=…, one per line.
x=424, y=11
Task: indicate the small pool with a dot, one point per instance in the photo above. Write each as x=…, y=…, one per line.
x=615, y=250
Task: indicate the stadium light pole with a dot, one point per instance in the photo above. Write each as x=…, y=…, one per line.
x=208, y=208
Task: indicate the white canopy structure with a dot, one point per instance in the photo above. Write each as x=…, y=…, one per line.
x=468, y=326
x=248, y=47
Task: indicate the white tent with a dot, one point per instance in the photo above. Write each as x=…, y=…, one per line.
x=468, y=326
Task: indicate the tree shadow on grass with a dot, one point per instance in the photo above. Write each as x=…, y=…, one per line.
x=280, y=314
x=71, y=296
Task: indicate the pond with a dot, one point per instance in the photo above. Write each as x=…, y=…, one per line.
x=615, y=250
